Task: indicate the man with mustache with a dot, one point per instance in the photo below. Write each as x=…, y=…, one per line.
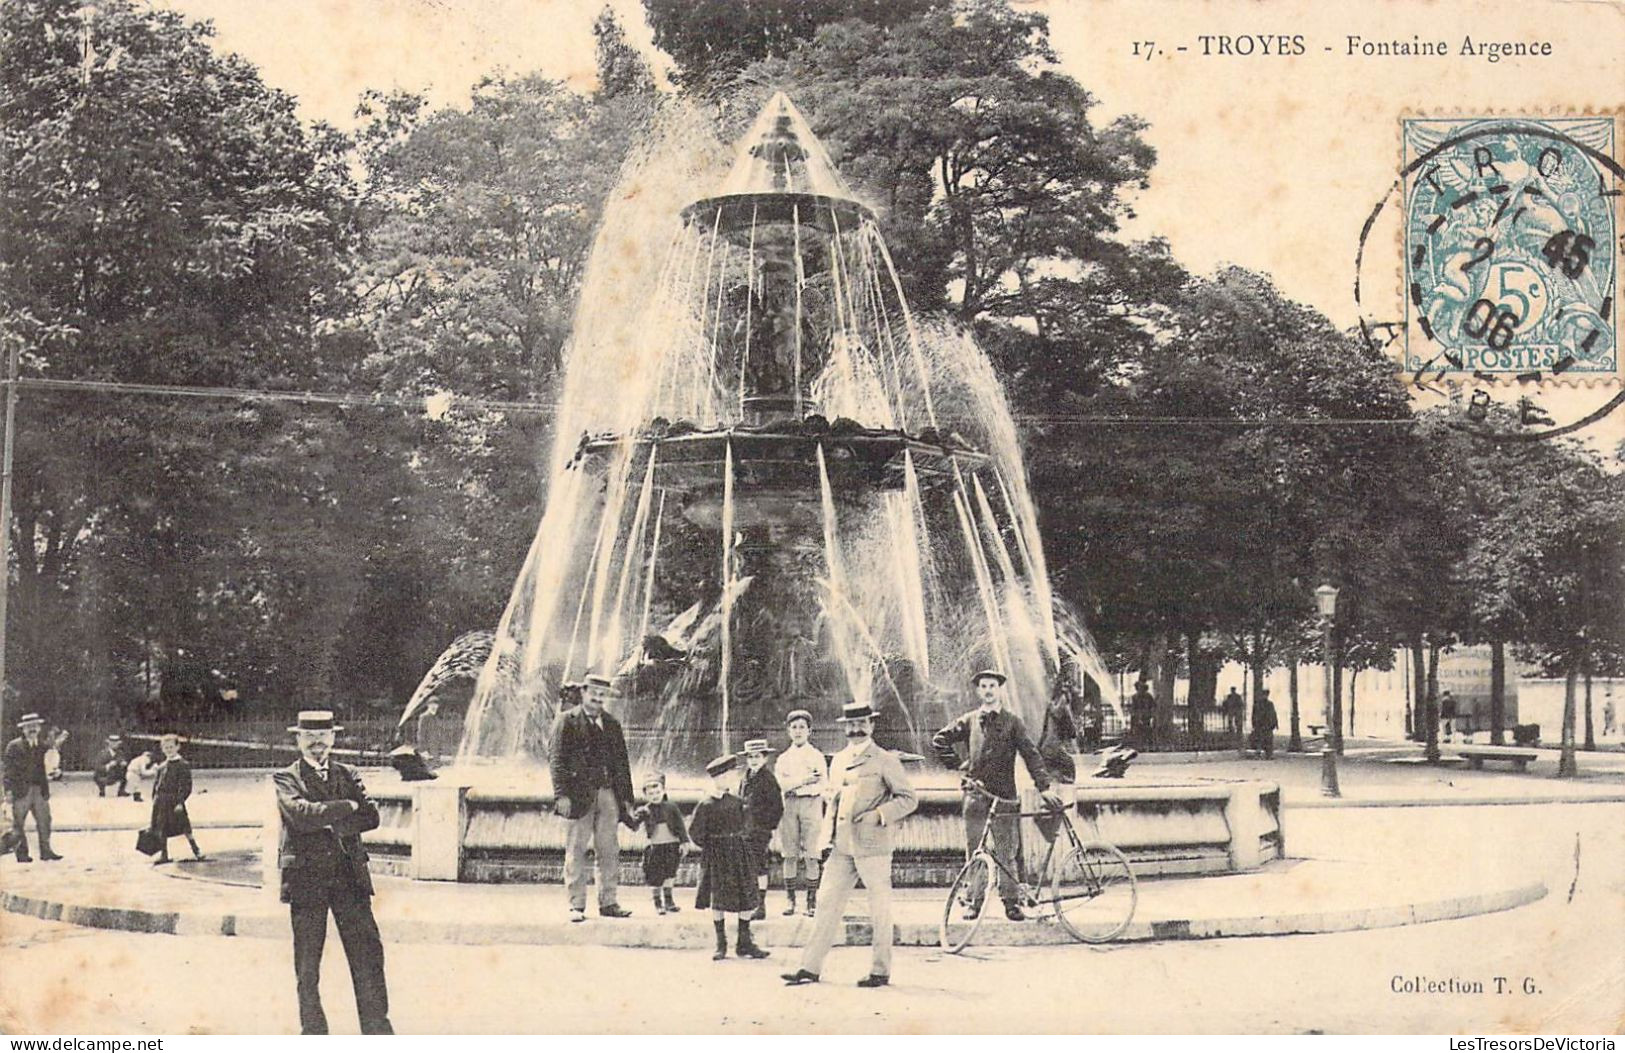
x=872, y=795
x=325, y=809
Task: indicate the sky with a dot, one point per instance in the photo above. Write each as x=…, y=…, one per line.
x=1270, y=162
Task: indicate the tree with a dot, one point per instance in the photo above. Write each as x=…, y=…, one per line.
x=1000, y=197
x=1225, y=526
x=711, y=40
x=1554, y=553
x=165, y=219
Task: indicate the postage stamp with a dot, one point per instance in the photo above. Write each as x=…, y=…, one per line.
x=1511, y=247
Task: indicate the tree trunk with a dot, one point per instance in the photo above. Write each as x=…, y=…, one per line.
x=1162, y=734
x=1354, y=678
x=1430, y=705
x=1295, y=744
x=1591, y=737
x=1335, y=731
x=1567, y=765
x=1204, y=681
x=1498, y=693
x=1418, y=690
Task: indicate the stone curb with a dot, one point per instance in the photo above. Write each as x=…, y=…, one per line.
x=696, y=934
x=1437, y=802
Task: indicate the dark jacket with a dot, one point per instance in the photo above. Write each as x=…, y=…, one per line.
x=990, y=749
x=25, y=766
x=717, y=820
x=583, y=757
x=764, y=801
x=1264, y=718
x=1057, y=742
x=321, y=850
x=652, y=815
x=170, y=790
x=110, y=766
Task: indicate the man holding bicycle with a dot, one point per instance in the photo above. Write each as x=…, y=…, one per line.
x=991, y=737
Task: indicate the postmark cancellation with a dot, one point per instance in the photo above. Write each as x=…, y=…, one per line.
x=1512, y=245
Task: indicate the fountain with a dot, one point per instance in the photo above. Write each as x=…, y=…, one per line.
x=773, y=488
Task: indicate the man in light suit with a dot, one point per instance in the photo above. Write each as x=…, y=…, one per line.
x=325, y=810
x=872, y=794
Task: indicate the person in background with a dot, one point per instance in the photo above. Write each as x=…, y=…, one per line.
x=111, y=767
x=28, y=789
x=170, y=789
x=54, y=738
x=1056, y=743
x=764, y=807
x=720, y=827
x=1447, y=715
x=803, y=774
x=1264, y=723
x=1142, y=710
x=142, y=766
x=1234, y=708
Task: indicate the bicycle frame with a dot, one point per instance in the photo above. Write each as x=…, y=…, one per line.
x=984, y=844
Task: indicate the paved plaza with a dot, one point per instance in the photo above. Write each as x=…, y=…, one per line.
x=1438, y=846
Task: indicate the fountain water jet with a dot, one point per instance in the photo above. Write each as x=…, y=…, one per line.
x=773, y=487
x=774, y=400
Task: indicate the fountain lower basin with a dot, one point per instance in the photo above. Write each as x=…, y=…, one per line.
x=480, y=826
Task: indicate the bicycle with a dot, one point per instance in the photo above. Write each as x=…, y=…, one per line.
x=1090, y=889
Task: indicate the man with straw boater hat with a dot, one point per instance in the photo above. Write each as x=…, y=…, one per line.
x=325, y=809
x=28, y=787
x=872, y=795
x=992, y=737
x=592, y=791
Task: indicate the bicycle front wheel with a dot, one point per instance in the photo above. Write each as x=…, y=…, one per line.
x=967, y=902
x=1093, y=892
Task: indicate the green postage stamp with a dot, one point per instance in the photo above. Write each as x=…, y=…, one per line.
x=1511, y=246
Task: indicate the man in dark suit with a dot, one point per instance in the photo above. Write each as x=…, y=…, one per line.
x=324, y=810
x=592, y=790
x=28, y=787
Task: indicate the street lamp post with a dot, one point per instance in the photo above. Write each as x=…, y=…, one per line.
x=1326, y=604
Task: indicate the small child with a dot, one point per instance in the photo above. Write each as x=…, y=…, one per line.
x=170, y=789
x=719, y=827
x=662, y=823
x=142, y=766
x=764, y=807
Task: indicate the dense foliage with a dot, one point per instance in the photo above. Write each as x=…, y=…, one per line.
x=1203, y=450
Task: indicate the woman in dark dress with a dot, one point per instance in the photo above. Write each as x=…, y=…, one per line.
x=719, y=827
x=170, y=789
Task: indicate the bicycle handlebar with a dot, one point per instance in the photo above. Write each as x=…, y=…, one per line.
x=981, y=787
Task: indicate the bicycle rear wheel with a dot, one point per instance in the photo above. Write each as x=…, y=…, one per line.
x=966, y=903
x=1093, y=892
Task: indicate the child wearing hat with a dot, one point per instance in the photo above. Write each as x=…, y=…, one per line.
x=764, y=807
x=662, y=823
x=720, y=827
x=803, y=774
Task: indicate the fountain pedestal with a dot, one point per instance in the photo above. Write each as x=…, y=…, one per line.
x=478, y=834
